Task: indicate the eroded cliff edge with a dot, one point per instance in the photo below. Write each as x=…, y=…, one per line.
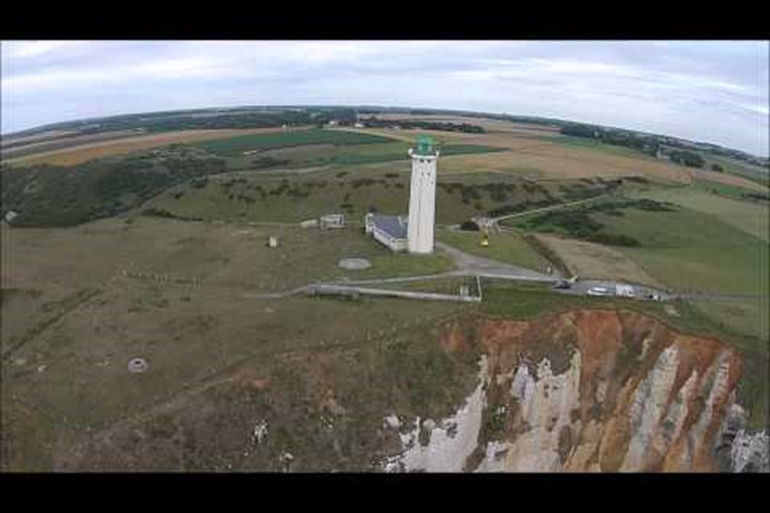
x=588, y=390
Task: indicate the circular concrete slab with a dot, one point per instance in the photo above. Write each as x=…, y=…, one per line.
x=137, y=365
x=355, y=264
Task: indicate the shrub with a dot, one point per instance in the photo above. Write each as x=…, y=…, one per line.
x=614, y=240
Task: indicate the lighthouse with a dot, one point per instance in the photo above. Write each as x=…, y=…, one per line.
x=422, y=197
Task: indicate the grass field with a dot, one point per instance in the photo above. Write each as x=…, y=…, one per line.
x=748, y=216
x=589, y=260
x=693, y=250
x=235, y=146
x=228, y=259
x=683, y=249
x=72, y=321
x=746, y=317
x=504, y=247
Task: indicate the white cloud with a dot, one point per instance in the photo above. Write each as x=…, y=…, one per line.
x=707, y=91
x=27, y=49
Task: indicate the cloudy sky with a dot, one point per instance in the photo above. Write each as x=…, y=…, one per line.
x=705, y=91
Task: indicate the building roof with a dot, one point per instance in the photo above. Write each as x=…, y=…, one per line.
x=395, y=226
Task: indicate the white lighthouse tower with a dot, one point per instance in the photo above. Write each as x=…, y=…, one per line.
x=422, y=198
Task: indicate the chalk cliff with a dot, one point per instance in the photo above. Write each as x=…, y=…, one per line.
x=589, y=390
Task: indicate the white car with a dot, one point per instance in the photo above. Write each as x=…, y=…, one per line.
x=598, y=291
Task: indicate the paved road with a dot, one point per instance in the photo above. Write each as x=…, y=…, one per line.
x=581, y=288
x=472, y=264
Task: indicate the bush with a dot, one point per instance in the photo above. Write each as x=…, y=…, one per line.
x=687, y=158
x=614, y=240
x=717, y=168
x=469, y=226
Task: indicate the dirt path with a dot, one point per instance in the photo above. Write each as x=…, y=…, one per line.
x=545, y=209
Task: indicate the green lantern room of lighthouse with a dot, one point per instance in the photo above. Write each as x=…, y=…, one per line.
x=425, y=146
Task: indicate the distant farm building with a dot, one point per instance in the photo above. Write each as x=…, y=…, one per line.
x=389, y=230
x=332, y=221
x=272, y=242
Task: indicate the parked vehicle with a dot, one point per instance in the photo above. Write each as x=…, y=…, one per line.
x=598, y=291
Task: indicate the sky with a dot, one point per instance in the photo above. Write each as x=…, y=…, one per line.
x=707, y=91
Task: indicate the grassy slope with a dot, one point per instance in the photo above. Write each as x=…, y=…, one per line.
x=505, y=247
x=693, y=250
x=327, y=190
x=747, y=317
x=750, y=217
x=690, y=249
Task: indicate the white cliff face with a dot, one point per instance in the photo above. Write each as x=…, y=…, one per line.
x=546, y=403
x=750, y=448
x=451, y=441
x=713, y=387
x=648, y=407
x=663, y=419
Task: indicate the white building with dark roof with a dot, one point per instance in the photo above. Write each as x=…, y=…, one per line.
x=389, y=230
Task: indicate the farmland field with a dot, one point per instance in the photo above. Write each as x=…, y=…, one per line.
x=491, y=125
x=729, y=179
x=316, y=155
x=610, y=149
x=78, y=154
x=235, y=146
